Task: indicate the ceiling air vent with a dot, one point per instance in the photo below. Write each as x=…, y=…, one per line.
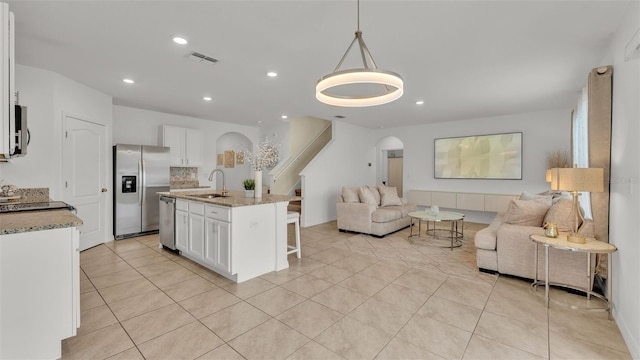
x=202, y=58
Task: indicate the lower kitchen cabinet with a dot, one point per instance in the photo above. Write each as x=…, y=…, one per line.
x=195, y=247
x=218, y=245
x=182, y=230
x=40, y=286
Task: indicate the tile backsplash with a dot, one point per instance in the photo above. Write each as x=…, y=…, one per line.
x=28, y=195
x=184, y=177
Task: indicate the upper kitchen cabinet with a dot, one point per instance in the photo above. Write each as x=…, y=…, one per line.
x=185, y=144
x=7, y=84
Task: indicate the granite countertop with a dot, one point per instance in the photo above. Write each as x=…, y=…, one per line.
x=234, y=199
x=25, y=221
x=181, y=188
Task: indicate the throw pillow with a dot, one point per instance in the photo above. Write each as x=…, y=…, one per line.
x=389, y=196
x=349, y=195
x=375, y=192
x=527, y=212
x=557, y=195
x=529, y=196
x=366, y=196
x=562, y=214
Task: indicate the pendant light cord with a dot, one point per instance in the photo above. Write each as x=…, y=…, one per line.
x=358, y=15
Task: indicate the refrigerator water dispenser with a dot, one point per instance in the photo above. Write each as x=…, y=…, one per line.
x=128, y=184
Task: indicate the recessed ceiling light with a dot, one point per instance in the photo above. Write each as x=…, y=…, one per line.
x=207, y=98
x=283, y=116
x=180, y=40
x=419, y=102
x=128, y=81
x=272, y=74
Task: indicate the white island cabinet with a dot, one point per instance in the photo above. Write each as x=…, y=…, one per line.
x=218, y=239
x=39, y=287
x=236, y=237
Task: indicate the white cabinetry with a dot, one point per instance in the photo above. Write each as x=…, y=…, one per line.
x=218, y=238
x=40, y=285
x=193, y=147
x=461, y=201
x=205, y=236
x=185, y=144
x=238, y=242
x=195, y=244
x=7, y=82
x=182, y=224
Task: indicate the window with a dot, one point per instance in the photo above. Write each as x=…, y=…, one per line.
x=580, y=129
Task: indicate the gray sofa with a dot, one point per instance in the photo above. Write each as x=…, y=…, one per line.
x=507, y=249
x=374, y=219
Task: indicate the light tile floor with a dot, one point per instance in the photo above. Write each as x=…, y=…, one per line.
x=351, y=296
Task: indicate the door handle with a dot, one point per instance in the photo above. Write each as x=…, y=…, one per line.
x=103, y=190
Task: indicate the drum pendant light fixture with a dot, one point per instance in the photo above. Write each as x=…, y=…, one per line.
x=390, y=83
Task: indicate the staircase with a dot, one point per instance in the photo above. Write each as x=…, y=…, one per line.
x=287, y=177
x=296, y=205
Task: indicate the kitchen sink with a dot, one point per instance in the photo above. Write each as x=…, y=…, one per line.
x=209, y=196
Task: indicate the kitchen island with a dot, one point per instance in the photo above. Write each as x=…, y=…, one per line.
x=237, y=237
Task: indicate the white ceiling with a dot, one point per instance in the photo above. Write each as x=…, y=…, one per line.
x=465, y=59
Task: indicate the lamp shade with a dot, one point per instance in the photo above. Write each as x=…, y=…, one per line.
x=577, y=179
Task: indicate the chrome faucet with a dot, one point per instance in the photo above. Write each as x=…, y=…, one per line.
x=224, y=189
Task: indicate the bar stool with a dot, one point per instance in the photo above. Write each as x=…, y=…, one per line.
x=293, y=217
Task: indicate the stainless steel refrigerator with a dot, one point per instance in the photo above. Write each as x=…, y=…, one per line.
x=140, y=172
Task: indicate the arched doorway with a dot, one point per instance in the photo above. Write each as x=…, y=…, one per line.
x=235, y=171
x=390, y=154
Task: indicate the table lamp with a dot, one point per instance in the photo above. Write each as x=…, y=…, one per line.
x=577, y=180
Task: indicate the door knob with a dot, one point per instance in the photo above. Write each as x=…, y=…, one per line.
x=103, y=190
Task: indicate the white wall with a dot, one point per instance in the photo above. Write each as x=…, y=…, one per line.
x=542, y=132
x=137, y=126
x=236, y=175
x=625, y=180
x=48, y=97
x=343, y=162
x=41, y=166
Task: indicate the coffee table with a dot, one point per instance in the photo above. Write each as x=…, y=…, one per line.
x=455, y=233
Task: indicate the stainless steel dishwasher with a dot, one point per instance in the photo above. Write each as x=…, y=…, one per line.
x=167, y=222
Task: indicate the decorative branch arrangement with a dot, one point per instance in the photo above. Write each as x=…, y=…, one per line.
x=264, y=156
x=557, y=159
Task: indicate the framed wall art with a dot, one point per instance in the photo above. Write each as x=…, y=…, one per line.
x=240, y=158
x=229, y=158
x=496, y=156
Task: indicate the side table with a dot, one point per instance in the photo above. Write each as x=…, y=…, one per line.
x=592, y=246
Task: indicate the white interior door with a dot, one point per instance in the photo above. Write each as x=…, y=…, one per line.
x=83, y=169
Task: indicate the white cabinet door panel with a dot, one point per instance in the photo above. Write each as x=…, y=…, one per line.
x=173, y=137
x=182, y=230
x=185, y=144
x=195, y=247
x=193, y=147
x=218, y=245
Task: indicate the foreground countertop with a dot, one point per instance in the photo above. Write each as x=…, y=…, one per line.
x=234, y=198
x=25, y=221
